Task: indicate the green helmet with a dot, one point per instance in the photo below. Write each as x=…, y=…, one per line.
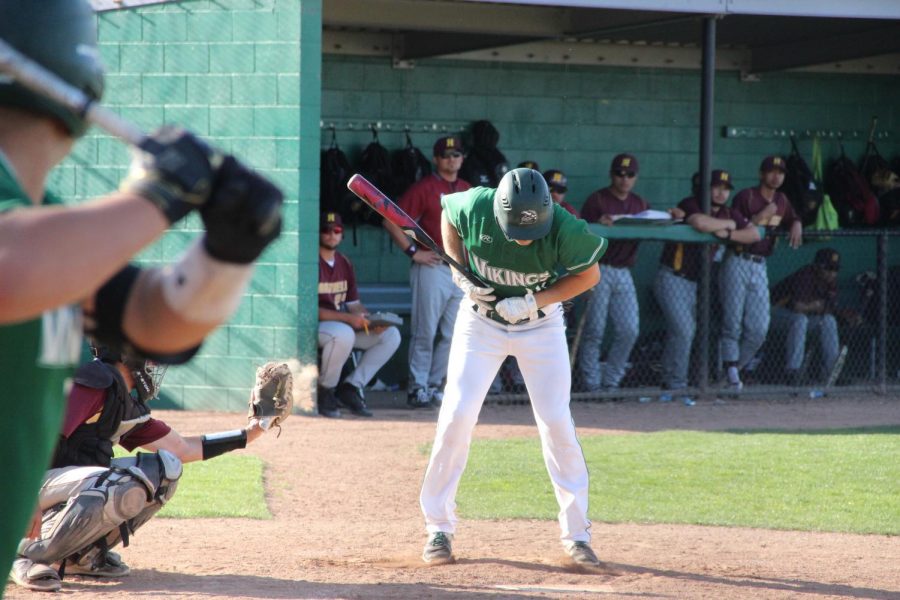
x=522, y=205
x=60, y=35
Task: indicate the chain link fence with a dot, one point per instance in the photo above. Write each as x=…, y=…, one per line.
x=818, y=320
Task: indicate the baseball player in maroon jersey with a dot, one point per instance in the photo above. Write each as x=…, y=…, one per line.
x=343, y=326
x=806, y=301
x=559, y=185
x=744, y=282
x=435, y=298
x=675, y=285
x=90, y=500
x=614, y=297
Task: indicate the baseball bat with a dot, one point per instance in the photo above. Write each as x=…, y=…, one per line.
x=387, y=208
x=41, y=81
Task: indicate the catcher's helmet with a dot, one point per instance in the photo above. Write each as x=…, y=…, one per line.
x=147, y=375
x=60, y=35
x=522, y=205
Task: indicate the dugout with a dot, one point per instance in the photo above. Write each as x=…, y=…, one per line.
x=568, y=84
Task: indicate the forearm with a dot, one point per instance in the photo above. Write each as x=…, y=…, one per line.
x=328, y=314
x=52, y=256
x=453, y=245
x=401, y=239
x=569, y=286
x=747, y=235
x=707, y=224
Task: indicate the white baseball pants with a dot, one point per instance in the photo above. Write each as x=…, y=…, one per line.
x=479, y=347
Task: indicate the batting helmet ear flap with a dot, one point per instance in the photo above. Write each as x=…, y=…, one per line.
x=522, y=205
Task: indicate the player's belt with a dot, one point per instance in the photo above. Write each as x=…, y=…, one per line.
x=751, y=257
x=494, y=316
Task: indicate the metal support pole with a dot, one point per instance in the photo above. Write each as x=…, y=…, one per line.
x=706, y=144
x=881, y=351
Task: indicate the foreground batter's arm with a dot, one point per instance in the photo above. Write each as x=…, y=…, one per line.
x=569, y=286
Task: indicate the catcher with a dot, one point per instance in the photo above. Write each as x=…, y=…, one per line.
x=90, y=501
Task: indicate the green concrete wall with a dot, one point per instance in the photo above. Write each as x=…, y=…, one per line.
x=576, y=118
x=245, y=74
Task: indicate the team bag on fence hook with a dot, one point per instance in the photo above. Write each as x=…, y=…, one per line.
x=409, y=166
x=801, y=187
x=826, y=216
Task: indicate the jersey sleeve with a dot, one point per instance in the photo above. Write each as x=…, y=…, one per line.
x=145, y=433
x=82, y=404
x=578, y=247
x=458, y=207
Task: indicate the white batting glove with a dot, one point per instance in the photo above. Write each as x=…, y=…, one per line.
x=518, y=308
x=482, y=296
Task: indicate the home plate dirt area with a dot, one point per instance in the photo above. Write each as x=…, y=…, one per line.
x=346, y=522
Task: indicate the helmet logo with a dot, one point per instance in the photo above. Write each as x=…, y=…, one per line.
x=528, y=217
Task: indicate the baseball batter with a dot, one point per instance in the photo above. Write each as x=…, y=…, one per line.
x=518, y=241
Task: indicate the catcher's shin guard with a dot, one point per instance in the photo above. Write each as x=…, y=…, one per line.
x=118, y=495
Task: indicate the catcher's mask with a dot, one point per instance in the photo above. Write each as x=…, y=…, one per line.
x=147, y=374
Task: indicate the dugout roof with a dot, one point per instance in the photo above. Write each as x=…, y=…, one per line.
x=761, y=35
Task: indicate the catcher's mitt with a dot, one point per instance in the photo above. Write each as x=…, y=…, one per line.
x=272, y=397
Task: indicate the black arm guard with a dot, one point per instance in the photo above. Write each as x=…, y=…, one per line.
x=215, y=444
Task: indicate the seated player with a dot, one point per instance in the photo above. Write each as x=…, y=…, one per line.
x=804, y=301
x=343, y=326
x=90, y=501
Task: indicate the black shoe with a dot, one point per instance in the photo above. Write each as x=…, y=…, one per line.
x=418, y=398
x=349, y=397
x=327, y=403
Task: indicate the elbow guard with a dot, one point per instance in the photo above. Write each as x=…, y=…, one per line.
x=215, y=444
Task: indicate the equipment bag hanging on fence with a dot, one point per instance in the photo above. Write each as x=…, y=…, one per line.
x=409, y=166
x=333, y=176
x=855, y=203
x=801, y=187
x=375, y=165
x=826, y=216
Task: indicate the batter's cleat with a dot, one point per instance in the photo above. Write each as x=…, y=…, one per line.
x=34, y=576
x=418, y=398
x=327, y=403
x=581, y=553
x=112, y=567
x=349, y=397
x=437, y=548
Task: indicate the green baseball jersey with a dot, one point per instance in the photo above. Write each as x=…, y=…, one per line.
x=36, y=358
x=508, y=267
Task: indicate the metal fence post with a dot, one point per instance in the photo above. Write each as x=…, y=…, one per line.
x=882, y=267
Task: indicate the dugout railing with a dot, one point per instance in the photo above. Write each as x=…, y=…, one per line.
x=866, y=314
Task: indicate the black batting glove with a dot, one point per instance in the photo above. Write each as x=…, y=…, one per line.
x=243, y=214
x=173, y=169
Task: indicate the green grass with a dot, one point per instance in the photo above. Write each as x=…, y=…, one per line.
x=230, y=485
x=836, y=480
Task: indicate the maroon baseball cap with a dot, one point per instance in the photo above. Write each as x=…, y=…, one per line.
x=771, y=163
x=721, y=177
x=828, y=258
x=330, y=220
x=625, y=162
x=557, y=180
x=529, y=164
x=450, y=142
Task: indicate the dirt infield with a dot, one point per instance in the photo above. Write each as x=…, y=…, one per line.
x=347, y=523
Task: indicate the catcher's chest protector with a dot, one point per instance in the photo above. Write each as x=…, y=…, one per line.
x=91, y=444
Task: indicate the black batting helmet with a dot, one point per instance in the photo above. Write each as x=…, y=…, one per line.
x=61, y=36
x=522, y=205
